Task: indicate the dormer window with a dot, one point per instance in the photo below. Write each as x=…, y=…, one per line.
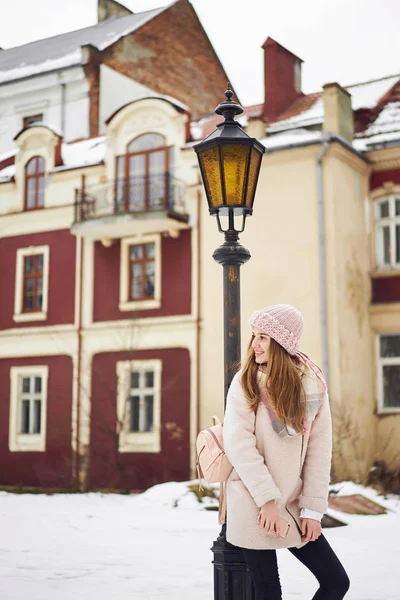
x=143, y=174
x=31, y=120
x=34, y=183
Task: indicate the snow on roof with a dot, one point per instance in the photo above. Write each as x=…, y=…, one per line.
x=363, y=95
x=83, y=153
x=297, y=137
x=387, y=121
x=313, y=116
x=65, y=49
x=8, y=154
x=76, y=154
x=7, y=174
x=381, y=140
x=368, y=94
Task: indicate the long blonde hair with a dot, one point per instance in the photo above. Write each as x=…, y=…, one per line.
x=283, y=385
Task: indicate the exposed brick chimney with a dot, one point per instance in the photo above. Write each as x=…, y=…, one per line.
x=282, y=79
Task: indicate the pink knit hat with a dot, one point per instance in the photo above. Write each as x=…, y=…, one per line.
x=282, y=322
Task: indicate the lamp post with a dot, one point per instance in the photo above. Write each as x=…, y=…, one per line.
x=230, y=162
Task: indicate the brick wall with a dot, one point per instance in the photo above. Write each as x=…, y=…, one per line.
x=173, y=55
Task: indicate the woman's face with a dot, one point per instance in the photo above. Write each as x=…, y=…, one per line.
x=260, y=344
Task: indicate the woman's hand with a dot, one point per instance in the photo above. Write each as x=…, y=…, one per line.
x=268, y=518
x=311, y=530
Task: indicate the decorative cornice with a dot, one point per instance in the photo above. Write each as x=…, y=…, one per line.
x=337, y=150
x=385, y=159
x=386, y=189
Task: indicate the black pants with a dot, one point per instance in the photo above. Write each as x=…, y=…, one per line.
x=317, y=556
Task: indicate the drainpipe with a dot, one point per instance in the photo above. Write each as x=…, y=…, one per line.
x=63, y=107
x=326, y=138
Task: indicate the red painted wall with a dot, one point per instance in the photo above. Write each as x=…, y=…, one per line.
x=385, y=289
x=378, y=178
x=175, y=280
x=52, y=468
x=61, y=276
x=139, y=470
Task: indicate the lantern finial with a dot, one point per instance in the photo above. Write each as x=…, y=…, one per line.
x=228, y=108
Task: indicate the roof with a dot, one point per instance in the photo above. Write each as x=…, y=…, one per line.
x=65, y=49
x=369, y=93
x=82, y=153
x=294, y=126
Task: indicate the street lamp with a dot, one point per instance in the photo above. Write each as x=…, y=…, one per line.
x=230, y=162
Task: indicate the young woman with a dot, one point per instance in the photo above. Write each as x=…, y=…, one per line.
x=278, y=437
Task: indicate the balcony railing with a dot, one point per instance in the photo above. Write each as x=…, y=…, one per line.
x=141, y=194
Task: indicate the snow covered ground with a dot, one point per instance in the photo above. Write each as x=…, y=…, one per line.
x=157, y=546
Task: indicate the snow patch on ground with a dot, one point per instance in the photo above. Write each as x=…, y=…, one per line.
x=156, y=546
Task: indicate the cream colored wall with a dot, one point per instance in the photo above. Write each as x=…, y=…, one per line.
x=282, y=239
x=348, y=297
x=62, y=184
x=385, y=318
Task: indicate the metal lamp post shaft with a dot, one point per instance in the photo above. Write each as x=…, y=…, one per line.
x=231, y=578
x=230, y=161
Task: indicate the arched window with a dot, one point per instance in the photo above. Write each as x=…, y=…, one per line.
x=143, y=174
x=387, y=231
x=34, y=183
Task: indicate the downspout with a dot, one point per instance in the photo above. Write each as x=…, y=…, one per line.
x=198, y=319
x=63, y=107
x=78, y=460
x=322, y=254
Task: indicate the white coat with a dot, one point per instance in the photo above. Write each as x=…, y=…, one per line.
x=293, y=470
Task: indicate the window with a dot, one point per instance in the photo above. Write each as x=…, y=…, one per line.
x=31, y=119
x=143, y=174
x=32, y=300
x=139, y=401
x=34, y=183
x=140, y=273
x=31, y=284
x=387, y=232
x=28, y=408
x=389, y=373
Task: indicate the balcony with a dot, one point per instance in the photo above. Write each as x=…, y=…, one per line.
x=130, y=206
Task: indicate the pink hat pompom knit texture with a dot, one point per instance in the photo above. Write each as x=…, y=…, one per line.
x=282, y=322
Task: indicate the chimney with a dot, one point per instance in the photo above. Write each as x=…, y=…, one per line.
x=282, y=79
x=338, y=113
x=106, y=9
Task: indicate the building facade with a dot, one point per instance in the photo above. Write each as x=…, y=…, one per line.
x=324, y=239
x=111, y=305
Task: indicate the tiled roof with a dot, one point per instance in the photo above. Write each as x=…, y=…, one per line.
x=64, y=50
x=302, y=104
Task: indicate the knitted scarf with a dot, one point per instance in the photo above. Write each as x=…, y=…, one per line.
x=315, y=389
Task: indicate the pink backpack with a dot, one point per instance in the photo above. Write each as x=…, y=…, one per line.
x=212, y=463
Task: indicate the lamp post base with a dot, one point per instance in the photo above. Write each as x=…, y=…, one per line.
x=232, y=580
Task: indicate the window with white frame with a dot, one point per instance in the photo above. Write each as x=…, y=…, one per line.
x=28, y=408
x=389, y=373
x=31, y=284
x=140, y=273
x=139, y=405
x=387, y=231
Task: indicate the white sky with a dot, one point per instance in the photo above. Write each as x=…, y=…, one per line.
x=348, y=41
